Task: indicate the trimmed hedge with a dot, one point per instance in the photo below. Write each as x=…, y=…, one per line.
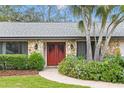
x=99, y=71
x=36, y=61
x=13, y=61
x=21, y=61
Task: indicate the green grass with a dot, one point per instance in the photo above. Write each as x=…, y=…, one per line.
x=32, y=82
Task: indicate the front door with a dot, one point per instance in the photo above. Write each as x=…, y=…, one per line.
x=55, y=53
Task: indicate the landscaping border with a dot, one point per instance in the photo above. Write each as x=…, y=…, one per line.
x=18, y=72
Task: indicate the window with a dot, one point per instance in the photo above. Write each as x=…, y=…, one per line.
x=0, y=48
x=93, y=48
x=14, y=48
x=81, y=49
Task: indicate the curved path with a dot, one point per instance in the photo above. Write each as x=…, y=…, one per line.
x=52, y=74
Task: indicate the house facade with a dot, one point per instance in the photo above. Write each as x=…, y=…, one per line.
x=53, y=40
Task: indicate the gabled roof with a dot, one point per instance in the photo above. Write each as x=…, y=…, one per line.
x=15, y=29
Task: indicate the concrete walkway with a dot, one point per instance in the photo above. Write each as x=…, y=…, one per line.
x=52, y=74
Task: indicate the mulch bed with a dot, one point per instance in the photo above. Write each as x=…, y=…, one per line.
x=18, y=72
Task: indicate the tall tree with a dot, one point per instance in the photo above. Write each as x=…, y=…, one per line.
x=29, y=13
x=106, y=17
x=109, y=18
x=85, y=12
x=116, y=17
x=103, y=12
x=6, y=13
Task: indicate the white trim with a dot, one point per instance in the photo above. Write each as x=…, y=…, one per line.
x=55, y=41
x=15, y=40
x=45, y=53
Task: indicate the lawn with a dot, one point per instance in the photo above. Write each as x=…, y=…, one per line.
x=33, y=81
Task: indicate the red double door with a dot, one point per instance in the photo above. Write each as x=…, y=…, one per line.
x=55, y=53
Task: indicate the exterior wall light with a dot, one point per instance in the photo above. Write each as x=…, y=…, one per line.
x=72, y=47
x=36, y=46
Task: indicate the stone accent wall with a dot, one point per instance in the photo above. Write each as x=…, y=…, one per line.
x=32, y=44
x=71, y=47
x=114, y=44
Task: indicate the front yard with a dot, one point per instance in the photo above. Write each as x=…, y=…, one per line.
x=32, y=81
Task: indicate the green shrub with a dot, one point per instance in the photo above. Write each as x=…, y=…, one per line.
x=115, y=59
x=104, y=71
x=112, y=73
x=13, y=61
x=36, y=61
x=67, y=66
x=93, y=70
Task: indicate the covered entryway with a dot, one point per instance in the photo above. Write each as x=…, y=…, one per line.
x=55, y=53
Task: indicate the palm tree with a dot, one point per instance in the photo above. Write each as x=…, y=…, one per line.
x=115, y=19
x=109, y=18
x=85, y=25
x=103, y=12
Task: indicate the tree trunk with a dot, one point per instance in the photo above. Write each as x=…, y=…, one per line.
x=105, y=47
x=98, y=46
x=107, y=41
x=95, y=39
x=89, y=49
x=49, y=13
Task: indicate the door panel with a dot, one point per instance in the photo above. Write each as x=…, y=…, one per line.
x=51, y=54
x=55, y=53
x=61, y=52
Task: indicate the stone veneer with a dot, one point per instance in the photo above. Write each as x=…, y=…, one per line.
x=31, y=46
x=112, y=46
x=71, y=47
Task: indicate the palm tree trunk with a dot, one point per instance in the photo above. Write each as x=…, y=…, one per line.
x=89, y=49
x=107, y=42
x=105, y=47
x=98, y=46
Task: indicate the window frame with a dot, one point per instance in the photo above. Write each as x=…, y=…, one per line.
x=19, y=45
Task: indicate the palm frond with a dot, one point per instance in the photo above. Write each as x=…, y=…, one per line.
x=104, y=12
x=77, y=11
x=122, y=8
x=81, y=26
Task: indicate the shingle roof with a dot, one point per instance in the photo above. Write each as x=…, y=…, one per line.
x=15, y=29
